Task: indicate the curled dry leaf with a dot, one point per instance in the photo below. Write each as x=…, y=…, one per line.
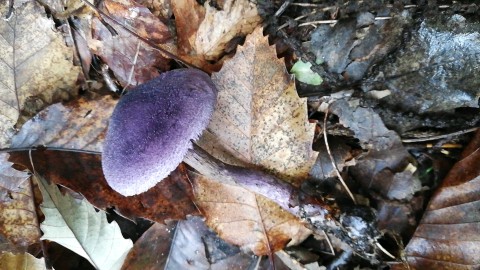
x=205, y=32
x=36, y=67
x=260, y=120
x=130, y=59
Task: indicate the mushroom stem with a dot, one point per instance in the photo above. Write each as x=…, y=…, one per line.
x=318, y=215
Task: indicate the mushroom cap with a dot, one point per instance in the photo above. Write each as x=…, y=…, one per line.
x=152, y=126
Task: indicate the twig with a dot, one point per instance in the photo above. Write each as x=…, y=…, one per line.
x=134, y=62
x=333, y=160
x=432, y=138
x=282, y=8
x=313, y=23
x=329, y=243
x=385, y=251
x=108, y=79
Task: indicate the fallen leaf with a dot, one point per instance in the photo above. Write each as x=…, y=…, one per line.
x=259, y=119
x=10, y=178
x=21, y=261
x=36, y=68
x=248, y=220
x=186, y=244
x=77, y=226
x=447, y=237
x=385, y=167
x=206, y=32
x=18, y=218
x=82, y=172
x=80, y=124
x=130, y=59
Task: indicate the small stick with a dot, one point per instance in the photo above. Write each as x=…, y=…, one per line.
x=432, y=138
x=333, y=160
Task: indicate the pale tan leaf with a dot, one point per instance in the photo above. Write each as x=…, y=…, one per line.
x=205, y=33
x=10, y=179
x=246, y=219
x=21, y=261
x=259, y=117
x=18, y=219
x=36, y=66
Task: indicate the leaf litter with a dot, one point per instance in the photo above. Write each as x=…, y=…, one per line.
x=367, y=158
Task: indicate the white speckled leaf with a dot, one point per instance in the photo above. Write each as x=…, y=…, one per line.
x=259, y=117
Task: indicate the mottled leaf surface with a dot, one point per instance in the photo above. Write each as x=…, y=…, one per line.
x=82, y=172
x=36, y=66
x=21, y=261
x=80, y=124
x=18, y=218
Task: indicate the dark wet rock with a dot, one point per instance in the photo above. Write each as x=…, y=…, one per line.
x=437, y=71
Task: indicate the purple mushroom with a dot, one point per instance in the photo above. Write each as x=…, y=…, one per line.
x=152, y=126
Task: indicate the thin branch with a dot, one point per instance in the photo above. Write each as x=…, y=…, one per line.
x=432, y=138
x=333, y=160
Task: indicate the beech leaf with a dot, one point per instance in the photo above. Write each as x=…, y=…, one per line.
x=447, y=236
x=76, y=225
x=259, y=118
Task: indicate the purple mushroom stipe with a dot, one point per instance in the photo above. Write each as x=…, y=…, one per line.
x=152, y=126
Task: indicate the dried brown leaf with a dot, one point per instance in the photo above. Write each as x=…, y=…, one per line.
x=36, y=68
x=447, y=237
x=18, y=218
x=186, y=244
x=80, y=124
x=246, y=219
x=82, y=172
x=205, y=33
x=260, y=120
x=130, y=59
x=21, y=261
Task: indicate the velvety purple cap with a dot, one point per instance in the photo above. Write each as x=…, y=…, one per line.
x=152, y=126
